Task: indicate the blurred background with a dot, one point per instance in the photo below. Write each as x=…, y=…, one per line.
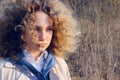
x=98, y=54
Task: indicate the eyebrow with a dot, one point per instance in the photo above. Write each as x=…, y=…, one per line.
x=47, y=26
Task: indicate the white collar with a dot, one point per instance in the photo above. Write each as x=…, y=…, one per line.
x=40, y=61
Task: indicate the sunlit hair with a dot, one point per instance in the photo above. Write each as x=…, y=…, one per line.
x=18, y=17
x=65, y=25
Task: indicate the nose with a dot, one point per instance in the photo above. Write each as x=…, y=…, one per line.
x=42, y=35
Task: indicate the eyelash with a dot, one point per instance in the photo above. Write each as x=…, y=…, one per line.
x=49, y=28
x=37, y=29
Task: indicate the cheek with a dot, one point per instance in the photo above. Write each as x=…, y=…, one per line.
x=50, y=36
x=28, y=38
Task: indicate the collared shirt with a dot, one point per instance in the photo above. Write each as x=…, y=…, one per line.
x=59, y=71
x=39, y=63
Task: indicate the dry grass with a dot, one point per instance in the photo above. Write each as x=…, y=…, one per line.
x=98, y=56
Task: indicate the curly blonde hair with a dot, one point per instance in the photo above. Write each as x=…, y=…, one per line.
x=65, y=25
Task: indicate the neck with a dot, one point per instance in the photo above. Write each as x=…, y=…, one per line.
x=35, y=54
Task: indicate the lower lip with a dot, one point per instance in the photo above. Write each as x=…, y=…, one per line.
x=42, y=45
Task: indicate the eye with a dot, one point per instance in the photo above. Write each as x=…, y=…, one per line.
x=50, y=28
x=37, y=28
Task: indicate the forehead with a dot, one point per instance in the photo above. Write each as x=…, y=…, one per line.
x=42, y=18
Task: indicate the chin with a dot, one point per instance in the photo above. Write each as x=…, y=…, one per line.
x=42, y=49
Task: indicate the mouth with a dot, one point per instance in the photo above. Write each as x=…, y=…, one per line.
x=42, y=44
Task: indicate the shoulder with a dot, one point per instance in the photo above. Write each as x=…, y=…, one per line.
x=61, y=64
x=60, y=71
x=4, y=63
x=61, y=61
x=10, y=72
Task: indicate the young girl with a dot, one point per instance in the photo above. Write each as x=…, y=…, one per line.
x=34, y=35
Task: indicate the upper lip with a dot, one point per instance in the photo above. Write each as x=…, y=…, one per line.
x=42, y=44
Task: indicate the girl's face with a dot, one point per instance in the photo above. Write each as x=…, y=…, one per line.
x=44, y=31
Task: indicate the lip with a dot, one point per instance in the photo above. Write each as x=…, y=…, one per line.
x=42, y=44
